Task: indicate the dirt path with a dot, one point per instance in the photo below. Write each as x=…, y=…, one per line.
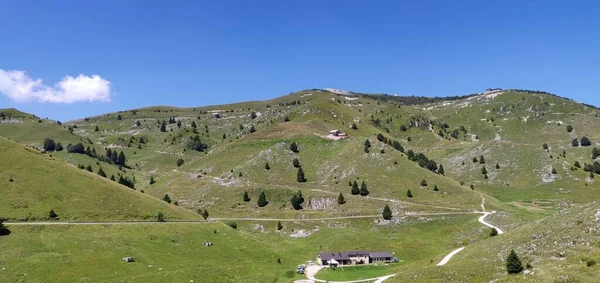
x=447, y=258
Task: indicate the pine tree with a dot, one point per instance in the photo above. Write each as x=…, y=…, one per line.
x=296, y=163
x=482, y=160
x=554, y=171
x=121, y=159
x=152, y=181
x=367, y=144
x=179, y=124
x=179, y=162
x=59, y=147
x=205, y=214
x=569, y=128
x=89, y=168
x=409, y=193
x=262, y=200
x=163, y=126
x=109, y=153
x=112, y=178
x=294, y=147
x=194, y=124
x=167, y=198
x=423, y=183
x=387, y=213
x=138, y=123
x=119, y=117
x=246, y=198
x=435, y=188
x=96, y=129
x=279, y=226
x=340, y=199
x=494, y=232
x=355, y=189
x=513, y=263
x=267, y=167
x=497, y=166
x=585, y=141
x=441, y=170
x=160, y=217
x=101, y=172
x=475, y=160
x=363, y=189
x=52, y=214
x=114, y=157
x=484, y=170
x=300, y=177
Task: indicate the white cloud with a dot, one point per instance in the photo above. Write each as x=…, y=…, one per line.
x=19, y=87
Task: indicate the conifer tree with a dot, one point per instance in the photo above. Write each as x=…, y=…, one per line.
x=482, y=160
x=300, y=177
x=121, y=159
x=262, y=200
x=441, y=170
x=363, y=189
x=152, y=181
x=497, y=166
x=163, y=126
x=246, y=198
x=96, y=129
x=112, y=178
x=59, y=147
x=484, y=170
x=267, y=167
x=387, y=213
x=494, y=232
x=513, y=263
x=167, y=198
x=340, y=199
x=279, y=226
x=294, y=147
x=205, y=214
x=409, y=193
x=101, y=172
x=435, y=188
x=179, y=124
x=296, y=163
x=423, y=183
x=355, y=189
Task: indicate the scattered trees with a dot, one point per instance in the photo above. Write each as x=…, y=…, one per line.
x=482, y=160
x=262, y=200
x=545, y=146
x=387, y=213
x=3, y=229
x=205, y=214
x=363, y=189
x=484, y=170
x=52, y=214
x=76, y=148
x=513, y=263
x=126, y=182
x=49, y=144
x=167, y=198
x=267, y=166
x=595, y=153
x=423, y=183
x=569, y=128
x=409, y=193
x=354, y=127
x=246, y=198
x=279, y=226
x=494, y=232
x=179, y=162
x=163, y=126
x=101, y=172
x=575, y=142
x=160, y=217
x=296, y=163
x=59, y=147
x=441, y=170
x=152, y=181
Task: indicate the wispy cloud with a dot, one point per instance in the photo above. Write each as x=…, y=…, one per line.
x=21, y=88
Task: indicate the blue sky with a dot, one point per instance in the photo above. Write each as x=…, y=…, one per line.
x=193, y=53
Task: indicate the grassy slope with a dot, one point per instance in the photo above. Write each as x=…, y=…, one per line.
x=41, y=183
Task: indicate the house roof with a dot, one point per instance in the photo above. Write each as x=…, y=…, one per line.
x=333, y=255
x=357, y=253
x=380, y=254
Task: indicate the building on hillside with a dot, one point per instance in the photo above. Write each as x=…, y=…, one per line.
x=352, y=258
x=492, y=90
x=380, y=257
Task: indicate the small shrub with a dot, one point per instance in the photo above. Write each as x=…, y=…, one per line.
x=232, y=225
x=590, y=262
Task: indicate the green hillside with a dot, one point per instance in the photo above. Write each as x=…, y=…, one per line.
x=34, y=183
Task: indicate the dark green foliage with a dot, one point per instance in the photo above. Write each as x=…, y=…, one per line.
x=409, y=193
x=52, y=214
x=279, y=226
x=472, y=187
x=435, y=188
x=205, y=214
x=112, y=178
x=545, y=146
x=252, y=115
x=252, y=129
x=403, y=128
x=382, y=151
x=423, y=183
x=482, y=160
x=119, y=117
x=355, y=189
x=553, y=171
x=246, y=198
x=101, y=172
x=138, y=123
x=484, y=170
x=575, y=142
x=513, y=263
x=363, y=189
x=126, y=182
x=494, y=232
x=89, y=168
x=475, y=160
x=179, y=162
x=262, y=200
x=569, y=128
x=297, y=200
x=96, y=128
x=232, y=225
x=49, y=144
x=286, y=119
x=577, y=164
x=497, y=166
x=367, y=144
x=595, y=153
x=76, y=148
x=179, y=124
x=590, y=262
x=160, y=217
x=380, y=137
x=296, y=163
x=195, y=144
x=224, y=137
x=121, y=159
x=115, y=157
x=163, y=126
x=585, y=141
x=167, y=198
x=152, y=181
x=397, y=146
x=300, y=176
x=354, y=127
x=340, y=199
x=3, y=230
x=387, y=212
x=59, y=147
x=294, y=147
x=267, y=166
x=441, y=169
x=194, y=124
